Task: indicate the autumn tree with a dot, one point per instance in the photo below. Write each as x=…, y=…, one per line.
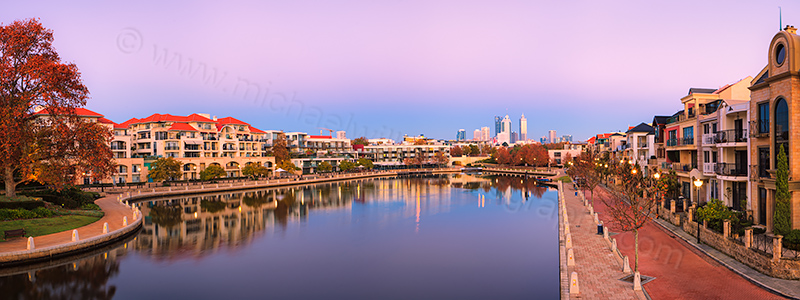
x=412, y=161
x=54, y=145
x=486, y=149
x=440, y=159
x=420, y=142
x=280, y=149
x=360, y=141
x=255, y=170
x=456, y=151
x=627, y=205
x=502, y=156
x=324, y=167
x=212, y=172
x=366, y=163
x=165, y=168
x=586, y=167
x=288, y=166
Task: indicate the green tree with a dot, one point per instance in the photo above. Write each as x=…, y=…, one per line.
x=212, y=172
x=782, y=222
x=366, y=163
x=280, y=149
x=255, y=170
x=346, y=165
x=324, y=167
x=474, y=150
x=288, y=165
x=165, y=168
x=360, y=141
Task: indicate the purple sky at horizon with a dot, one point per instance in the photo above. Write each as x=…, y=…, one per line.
x=409, y=67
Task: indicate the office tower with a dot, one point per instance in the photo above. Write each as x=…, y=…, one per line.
x=552, y=136
x=567, y=138
x=505, y=131
x=476, y=135
x=513, y=137
x=498, y=126
x=543, y=140
x=485, y=133
x=523, y=128
x=461, y=135
x=341, y=135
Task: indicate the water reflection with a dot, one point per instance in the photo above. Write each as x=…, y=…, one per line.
x=198, y=226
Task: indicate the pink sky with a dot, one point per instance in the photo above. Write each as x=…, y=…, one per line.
x=409, y=67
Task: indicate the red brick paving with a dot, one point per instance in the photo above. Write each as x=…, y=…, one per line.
x=681, y=272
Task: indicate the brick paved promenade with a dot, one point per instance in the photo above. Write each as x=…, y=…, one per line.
x=681, y=271
x=599, y=270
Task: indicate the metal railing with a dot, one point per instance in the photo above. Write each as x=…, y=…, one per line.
x=731, y=136
x=762, y=243
x=686, y=141
x=758, y=128
x=729, y=169
x=790, y=250
x=709, y=138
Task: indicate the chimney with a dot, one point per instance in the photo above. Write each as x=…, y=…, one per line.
x=214, y=118
x=790, y=29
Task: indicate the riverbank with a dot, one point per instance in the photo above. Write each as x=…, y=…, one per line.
x=120, y=221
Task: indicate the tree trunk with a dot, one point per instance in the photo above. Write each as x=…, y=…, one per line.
x=636, y=249
x=11, y=186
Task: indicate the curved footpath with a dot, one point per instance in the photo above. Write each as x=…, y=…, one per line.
x=60, y=244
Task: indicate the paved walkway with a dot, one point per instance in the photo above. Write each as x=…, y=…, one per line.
x=681, y=271
x=599, y=270
x=114, y=212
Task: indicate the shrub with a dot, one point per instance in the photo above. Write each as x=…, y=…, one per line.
x=42, y=212
x=28, y=204
x=13, y=214
x=793, y=237
x=90, y=206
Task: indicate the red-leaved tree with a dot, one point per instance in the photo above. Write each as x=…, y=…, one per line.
x=53, y=147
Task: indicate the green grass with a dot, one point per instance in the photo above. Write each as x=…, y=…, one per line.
x=44, y=226
x=19, y=198
x=564, y=179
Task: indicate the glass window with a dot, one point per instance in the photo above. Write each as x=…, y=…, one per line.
x=763, y=118
x=780, y=54
x=781, y=128
x=688, y=135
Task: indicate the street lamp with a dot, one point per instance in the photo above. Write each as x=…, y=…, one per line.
x=698, y=183
x=656, y=176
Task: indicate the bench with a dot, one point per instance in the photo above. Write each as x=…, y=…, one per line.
x=14, y=233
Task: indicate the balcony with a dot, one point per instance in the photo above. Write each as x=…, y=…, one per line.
x=731, y=136
x=709, y=138
x=730, y=169
x=677, y=142
x=758, y=128
x=709, y=168
x=677, y=167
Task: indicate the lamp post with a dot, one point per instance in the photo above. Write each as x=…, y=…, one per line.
x=656, y=176
x=698, y=183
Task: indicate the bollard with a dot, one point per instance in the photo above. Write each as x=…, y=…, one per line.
x=573, y=284
x=626, y=267
x=570, y=258
x=748, y=237
x=569, y=241
x=124, y=221
x=613, y=245
x=75, y=237
x=105, y=227
x=30, y=243
x=605, y=232
x=596, y=219
x=726, y=229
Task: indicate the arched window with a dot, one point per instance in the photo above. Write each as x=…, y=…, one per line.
x=781, y=128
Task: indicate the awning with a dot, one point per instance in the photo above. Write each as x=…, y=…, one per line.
x=193, y=142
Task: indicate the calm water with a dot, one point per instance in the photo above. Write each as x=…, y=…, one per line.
x=454, y=237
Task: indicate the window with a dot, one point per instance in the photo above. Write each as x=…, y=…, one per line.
x=763, y=117
x=706, y=157
x=688, y=135
x=780, y=54
x=705, y=128
x=781, y=128
x=713, y=127
x=714, y=189
x=763, y=161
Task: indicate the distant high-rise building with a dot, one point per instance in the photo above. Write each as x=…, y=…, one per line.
x=476, y=135
x=523, y=128
x=567, y=138
x=514, y=137
x=552, y=136
x=543, y=140
x=341, y=134
x=498, y=125
x=461, y=135
x=505, y=131
x=485, y=135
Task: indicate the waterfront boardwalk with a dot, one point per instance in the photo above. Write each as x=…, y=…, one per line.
x=680, y=270
x=113, y=210
x=599, y=270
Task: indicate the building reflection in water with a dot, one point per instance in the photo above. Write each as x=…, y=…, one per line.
x=196, y=225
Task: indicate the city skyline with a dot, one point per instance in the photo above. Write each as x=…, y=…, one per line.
x=136, y=60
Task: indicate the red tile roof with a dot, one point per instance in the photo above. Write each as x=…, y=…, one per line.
x=255, y=130
x=230, y=120
x=106, y=121
x=591, y=140
x=80, y=111
x=320, y=137
x=171, y=118
x=181, y=127
x=126, y=124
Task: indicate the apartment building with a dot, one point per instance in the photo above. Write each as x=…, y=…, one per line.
x=639, y=146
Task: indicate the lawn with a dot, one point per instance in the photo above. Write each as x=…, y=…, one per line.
x=564, y=179
x=44, y=226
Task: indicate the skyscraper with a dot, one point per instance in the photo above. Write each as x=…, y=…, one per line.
x=543, y=140
x=514, y=138
x=505, y=131
x=476, y=135
x=485, y=135
x=461, y=135
x=498, y=126
x=552, y=136
x=523, y=128
x=567, y=138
